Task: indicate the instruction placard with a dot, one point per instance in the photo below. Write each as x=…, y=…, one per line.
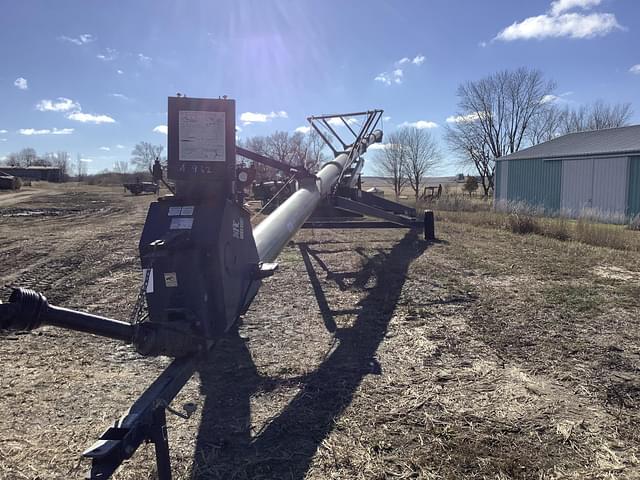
x=201, y=136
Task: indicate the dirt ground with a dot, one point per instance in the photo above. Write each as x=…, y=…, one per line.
x=369, y=355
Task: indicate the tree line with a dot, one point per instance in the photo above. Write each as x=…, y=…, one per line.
x=496, y=116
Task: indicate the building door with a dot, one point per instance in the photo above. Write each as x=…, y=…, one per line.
x=577, y=186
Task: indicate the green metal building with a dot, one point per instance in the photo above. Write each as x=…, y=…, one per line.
x=596, y=171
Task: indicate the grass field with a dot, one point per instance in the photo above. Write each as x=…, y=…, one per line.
x=369, y=355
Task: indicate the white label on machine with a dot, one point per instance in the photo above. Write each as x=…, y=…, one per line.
x=179, y=223
x=150, y=282
x=187, y=211
x=174, y=211
x=201, y=136
x=170, y=279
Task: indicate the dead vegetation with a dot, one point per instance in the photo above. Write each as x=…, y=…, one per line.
x=369, y=355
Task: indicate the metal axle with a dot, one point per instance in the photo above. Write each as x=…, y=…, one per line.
x=27, y=310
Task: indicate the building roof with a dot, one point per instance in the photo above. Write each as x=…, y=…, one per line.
x=610, y=141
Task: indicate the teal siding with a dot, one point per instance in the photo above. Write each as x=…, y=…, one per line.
x=498, y=181
x=633, y=191
x=536, y=182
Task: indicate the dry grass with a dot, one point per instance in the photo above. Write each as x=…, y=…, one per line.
x=522, y=219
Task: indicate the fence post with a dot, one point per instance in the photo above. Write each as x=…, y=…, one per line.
x=429, y=225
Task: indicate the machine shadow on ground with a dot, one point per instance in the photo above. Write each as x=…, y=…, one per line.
x=285, y=447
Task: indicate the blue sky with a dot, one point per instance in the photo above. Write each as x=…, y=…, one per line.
x=92, y=77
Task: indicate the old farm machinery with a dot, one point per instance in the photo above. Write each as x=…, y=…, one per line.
x=202, y=261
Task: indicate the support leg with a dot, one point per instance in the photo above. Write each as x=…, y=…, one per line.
x=160, y=439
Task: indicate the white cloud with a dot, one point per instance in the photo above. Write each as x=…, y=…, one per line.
x=62, y=105
x=90, y=118
x=109, y=55
x=550, y=98
x=45, y=131
x=144, y=60
x=21, y=83
x=79, y=40
x=4, y=131
x=121, y=96
x=561, y=6
x=635, y=69
x=303, y=129
x=87, y=160
x=3, y=140
x=384, y=78
x=105, y=149
x=389, y=78
x=247, y=118
x=119, y=72
x=420, y=124
x=386, y=119
x=560, y=22
x=120, y=147
x=161, y=129
x=472, y=117
x=396, y=76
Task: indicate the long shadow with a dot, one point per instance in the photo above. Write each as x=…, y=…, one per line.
x=285, y=447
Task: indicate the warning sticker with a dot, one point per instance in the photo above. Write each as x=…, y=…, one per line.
x=174, y=211
x=170, y=279
x=187, y=211
x=179, y=223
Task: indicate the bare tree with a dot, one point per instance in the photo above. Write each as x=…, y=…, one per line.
x=422, y=155
x=258, y=144
x=27, y=157
x=63, y=162
x=45, y=160
x=545, y=125
x=315, y=151
x=12, y=160
x=473, y=150
x=294, y=149
x=144, y=154
x=299, y=149
x=596, y=116
x=494, y=118
x=390, y=162
x=81, y=168
x=121, y=166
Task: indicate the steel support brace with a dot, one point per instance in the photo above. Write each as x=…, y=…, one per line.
x=357, y=207
x=145, y=422
x=352, y=224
